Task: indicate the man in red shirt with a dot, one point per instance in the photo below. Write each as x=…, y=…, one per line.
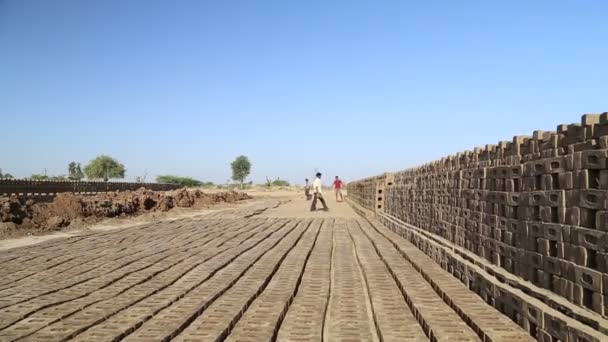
x=338, y=189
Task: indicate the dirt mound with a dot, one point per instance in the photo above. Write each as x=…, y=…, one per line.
x=66, y=207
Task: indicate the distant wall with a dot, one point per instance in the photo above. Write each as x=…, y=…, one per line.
x=45, y=188
x=535, y=206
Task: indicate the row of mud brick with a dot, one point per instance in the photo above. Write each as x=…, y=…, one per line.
x=35, y=188
x=542, y=321
x=535, y=206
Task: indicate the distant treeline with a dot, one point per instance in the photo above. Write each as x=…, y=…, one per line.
x=183, y=181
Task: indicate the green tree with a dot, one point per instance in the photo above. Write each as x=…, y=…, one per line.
x=45, y=177
x=241, y=167
x=280, y=182
x=104, y=167
x=75, y=172
x=5, y=175
x=208, y=185
x=37, y=176
x=183, y=181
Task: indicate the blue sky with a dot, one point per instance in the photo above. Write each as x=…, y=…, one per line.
x=353, y=88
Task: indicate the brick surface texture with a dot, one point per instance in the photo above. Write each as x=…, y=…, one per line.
x=243, y=274
x=522, y=223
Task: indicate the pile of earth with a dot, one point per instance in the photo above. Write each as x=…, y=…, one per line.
x=67, y=207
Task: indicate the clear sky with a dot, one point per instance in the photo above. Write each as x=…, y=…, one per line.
x=353, y=88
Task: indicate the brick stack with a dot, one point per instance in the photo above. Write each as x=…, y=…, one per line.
x=535, y=206
x=364, y=192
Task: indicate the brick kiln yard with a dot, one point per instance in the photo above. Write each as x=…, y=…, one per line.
x=508, y=242
x=263, y=272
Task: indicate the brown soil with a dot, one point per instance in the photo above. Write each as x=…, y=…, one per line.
x=19, y=214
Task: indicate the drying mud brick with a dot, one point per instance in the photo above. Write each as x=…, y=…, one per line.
x=530, y=212
x=248, y=273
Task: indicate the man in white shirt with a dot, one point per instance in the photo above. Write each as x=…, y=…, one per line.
x=307, y=190
x=317, y=187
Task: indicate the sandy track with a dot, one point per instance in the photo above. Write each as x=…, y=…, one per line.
x=271, y=271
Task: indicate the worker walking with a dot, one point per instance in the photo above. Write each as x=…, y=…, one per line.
x=337, y=185
x=317, y=188
x=307, y=190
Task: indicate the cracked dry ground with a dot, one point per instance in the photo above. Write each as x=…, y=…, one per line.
x=262, y=273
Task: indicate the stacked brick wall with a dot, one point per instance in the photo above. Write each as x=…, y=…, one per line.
x=363, y=191
x=45, y=188
x=535, y=206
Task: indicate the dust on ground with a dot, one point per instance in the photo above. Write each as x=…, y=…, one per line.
x=298, y=206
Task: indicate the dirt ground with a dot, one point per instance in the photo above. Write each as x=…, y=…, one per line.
x=299, y=207
x=295, y=206
x=107, y=224
x=26, y=217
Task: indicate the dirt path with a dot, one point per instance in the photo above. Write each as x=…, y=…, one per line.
x=271, y=270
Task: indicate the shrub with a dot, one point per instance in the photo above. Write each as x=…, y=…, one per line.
x=276, y=182
x=207, y=185
x=280, y=182
x=183, y=181
x=5, y=175
x=37, y=176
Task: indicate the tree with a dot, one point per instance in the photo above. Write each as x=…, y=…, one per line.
x=44, y=177
x=142, y=179
x=75, y=172
x=183, y=181
x=240, y=169
x=104, y=167
x=37, y=176
x=280, y=182
x=5, y=175
x=208, y=185
x=276, y=182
